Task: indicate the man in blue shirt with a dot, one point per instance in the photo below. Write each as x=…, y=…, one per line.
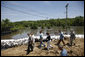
x=63, y=51
x=61, y=38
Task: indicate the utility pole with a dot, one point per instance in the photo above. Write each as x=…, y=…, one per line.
x=66, y=14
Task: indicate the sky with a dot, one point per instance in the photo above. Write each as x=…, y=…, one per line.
x=40, y=10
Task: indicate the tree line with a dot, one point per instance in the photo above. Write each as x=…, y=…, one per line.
x=7, y=26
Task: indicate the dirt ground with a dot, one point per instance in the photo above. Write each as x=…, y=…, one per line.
x=76, y=50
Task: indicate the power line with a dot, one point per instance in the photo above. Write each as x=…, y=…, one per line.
x=23, y=12
x=33, y=11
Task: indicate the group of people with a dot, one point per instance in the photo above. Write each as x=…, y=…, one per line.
x=31, y=41
x=48, y=39
x=72, y=37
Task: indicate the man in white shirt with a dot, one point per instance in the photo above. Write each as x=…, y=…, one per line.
x=41, y=39
x=31, y=42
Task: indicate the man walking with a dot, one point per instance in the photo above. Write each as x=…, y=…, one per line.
x=72, y=37
x=61, y=38
x=41, y=39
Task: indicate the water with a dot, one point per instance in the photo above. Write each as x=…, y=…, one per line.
x=52, y=31
x=20, y=37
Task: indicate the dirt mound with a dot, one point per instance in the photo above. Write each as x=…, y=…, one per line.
x=77, y=50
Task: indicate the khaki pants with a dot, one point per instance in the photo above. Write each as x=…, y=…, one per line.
x=48, y=44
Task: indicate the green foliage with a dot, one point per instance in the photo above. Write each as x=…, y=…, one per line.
x=34, y=26
x=79, y=21
x=6, y=25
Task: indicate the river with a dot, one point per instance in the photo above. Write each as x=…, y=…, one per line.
x=23, y=33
